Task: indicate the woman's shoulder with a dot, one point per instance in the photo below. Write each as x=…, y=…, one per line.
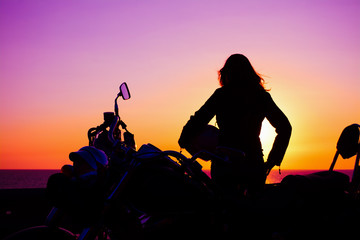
x=266, y=98
x=266, y=94
x=220, y=91
x=228, y=90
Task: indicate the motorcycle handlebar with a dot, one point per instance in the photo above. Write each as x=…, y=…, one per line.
x=194, y=157
x=175, y=154
x=208, y=155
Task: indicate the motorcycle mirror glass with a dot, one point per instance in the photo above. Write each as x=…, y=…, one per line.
x=124, y=90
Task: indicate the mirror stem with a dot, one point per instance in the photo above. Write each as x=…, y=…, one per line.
x=116, y=106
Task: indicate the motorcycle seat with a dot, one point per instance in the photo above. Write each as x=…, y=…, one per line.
x=318, y=182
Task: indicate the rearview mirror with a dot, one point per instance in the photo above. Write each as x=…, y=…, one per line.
x=124, y=91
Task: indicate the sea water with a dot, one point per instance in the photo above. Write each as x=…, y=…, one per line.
x=14, y=179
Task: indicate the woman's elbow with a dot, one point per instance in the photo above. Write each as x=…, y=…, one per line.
x=284, y=129
x=287, y=129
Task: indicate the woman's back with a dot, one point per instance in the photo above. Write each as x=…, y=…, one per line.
x=239, y=115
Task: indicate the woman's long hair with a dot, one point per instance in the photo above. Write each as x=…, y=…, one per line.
x=238, y=71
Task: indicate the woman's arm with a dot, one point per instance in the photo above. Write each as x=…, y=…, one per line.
x=199, y=120
x=283, y=129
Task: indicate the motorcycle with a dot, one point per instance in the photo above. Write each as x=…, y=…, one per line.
x=114, y=191
x=129, y=192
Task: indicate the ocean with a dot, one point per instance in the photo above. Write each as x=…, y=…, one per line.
x=15, y=179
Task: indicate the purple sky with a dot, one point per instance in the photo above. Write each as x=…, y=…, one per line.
x=62, y=61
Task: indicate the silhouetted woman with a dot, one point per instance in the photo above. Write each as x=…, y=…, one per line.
x=240, y=106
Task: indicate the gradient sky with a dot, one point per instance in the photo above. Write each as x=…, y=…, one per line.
x=61, y=63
